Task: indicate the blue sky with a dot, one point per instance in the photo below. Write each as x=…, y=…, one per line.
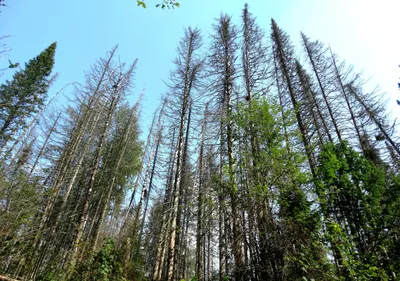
x=363, y=32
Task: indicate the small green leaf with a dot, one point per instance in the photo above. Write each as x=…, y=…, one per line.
x=141, y=3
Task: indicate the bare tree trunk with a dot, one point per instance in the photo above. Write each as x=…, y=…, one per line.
x=52, y=128
x=200, y=207
x=88, y=193
x=221, y=217
x=189, y=78
x=182, y=199
x=184, y=239
x=143, y=194
x=309, y=104
x=281, y=103
x=57, y=189
x=240, y=269
x=161, y=244
x=374, y=118
x=158, y=142
x=282, y=58
x=346, y=98
x=311, y=57
x=175, y=198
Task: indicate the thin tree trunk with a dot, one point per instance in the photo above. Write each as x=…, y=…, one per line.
x=159, y=260
x=189, y=78
x=200, y=207
x=64, y=200
x=343, y=91
x=372, y=115
x=322, y=88
x=310, y=103
x=45, y=143
x=288, y=80
x=280, y=95
x=159, y=136
x=182, y=191
x=221, y=218
x=175, y=201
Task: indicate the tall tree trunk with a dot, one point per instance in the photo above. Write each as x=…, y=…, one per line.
x=40, y=154
x=158, y=142
x=374, y=118
x=189, y=77
x=161, y=247
x=89, y=190
x=309, y=104
x=312, y=56
x=342, y=89
x=176, y=195
x=200, y=231
x=51, y=235
x=284, y=62
x=181, y=204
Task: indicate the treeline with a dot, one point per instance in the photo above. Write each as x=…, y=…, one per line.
x=262, y=163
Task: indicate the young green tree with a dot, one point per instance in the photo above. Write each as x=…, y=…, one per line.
x=287, y=226
x=358, y=200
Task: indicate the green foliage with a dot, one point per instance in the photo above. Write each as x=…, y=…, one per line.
x=165, y=4
x=106, y=265
x=274, y=167
x=125, y=123
x=25, y=94
x=21, y=198
x=51, y=276
x=141, y=3
x=13, y=65
x=353, y=194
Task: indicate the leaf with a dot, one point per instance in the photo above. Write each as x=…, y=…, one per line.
x=141, y=3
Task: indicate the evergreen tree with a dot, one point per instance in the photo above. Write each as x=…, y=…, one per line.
x=25, y=94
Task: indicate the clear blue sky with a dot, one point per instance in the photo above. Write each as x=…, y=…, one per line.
x=364, y=32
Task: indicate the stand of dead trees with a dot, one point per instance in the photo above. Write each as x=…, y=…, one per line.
x=265, y=161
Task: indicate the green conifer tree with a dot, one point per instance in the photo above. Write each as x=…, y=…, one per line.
x=25, y=94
